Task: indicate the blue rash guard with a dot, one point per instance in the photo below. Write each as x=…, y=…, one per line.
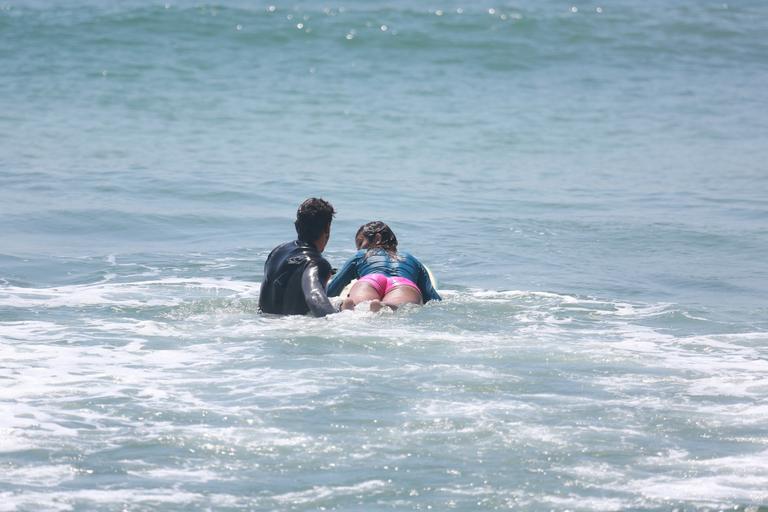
x=379, y=261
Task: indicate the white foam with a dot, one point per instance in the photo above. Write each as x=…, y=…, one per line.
x=140, y=329
x=595, y=472
x=624, y=309
x=63, y=500
x=707, y=489
x=11, y=439
x=31, y=330
x=38, y=476
x=96, y=381
x=474, y=409
x=319, y=493
x=579, y=502
x=470, y=490
x=131, y=294
x=517, y=294
x=743, y=414
x=744, y=386
x=255, y=438
x=180, y=475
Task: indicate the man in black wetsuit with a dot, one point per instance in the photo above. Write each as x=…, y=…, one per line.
x=295, y=273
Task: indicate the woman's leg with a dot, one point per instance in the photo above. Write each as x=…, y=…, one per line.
x=360, y=292
x=403, y=294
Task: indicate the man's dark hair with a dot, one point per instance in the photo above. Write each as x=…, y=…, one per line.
x=312, y=218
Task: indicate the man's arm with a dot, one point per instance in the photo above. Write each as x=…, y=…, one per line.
x=314, y=292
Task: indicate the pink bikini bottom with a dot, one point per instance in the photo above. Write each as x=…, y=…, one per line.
x=385, y=284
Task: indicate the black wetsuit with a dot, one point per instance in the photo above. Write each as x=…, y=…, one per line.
x=294, y=281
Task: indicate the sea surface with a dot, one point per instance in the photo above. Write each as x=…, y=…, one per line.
x=587, y=180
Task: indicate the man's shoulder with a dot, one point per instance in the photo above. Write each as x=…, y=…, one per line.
x=286, y=246
x=320, y=261
x=277, y=249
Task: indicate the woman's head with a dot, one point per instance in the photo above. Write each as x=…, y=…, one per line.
x=376, y=235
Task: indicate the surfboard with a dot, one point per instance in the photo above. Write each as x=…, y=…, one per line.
x=432, y=278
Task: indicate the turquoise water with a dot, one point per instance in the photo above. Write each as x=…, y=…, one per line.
x=586, y=180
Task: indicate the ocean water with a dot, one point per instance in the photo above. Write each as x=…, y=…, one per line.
x=587, y=180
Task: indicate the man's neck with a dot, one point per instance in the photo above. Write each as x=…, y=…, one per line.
x=313, y=245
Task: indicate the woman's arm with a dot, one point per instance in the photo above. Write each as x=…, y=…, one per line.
x=428, y=291
x=343, y=277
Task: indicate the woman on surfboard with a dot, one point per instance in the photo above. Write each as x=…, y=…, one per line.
x=384, y=276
